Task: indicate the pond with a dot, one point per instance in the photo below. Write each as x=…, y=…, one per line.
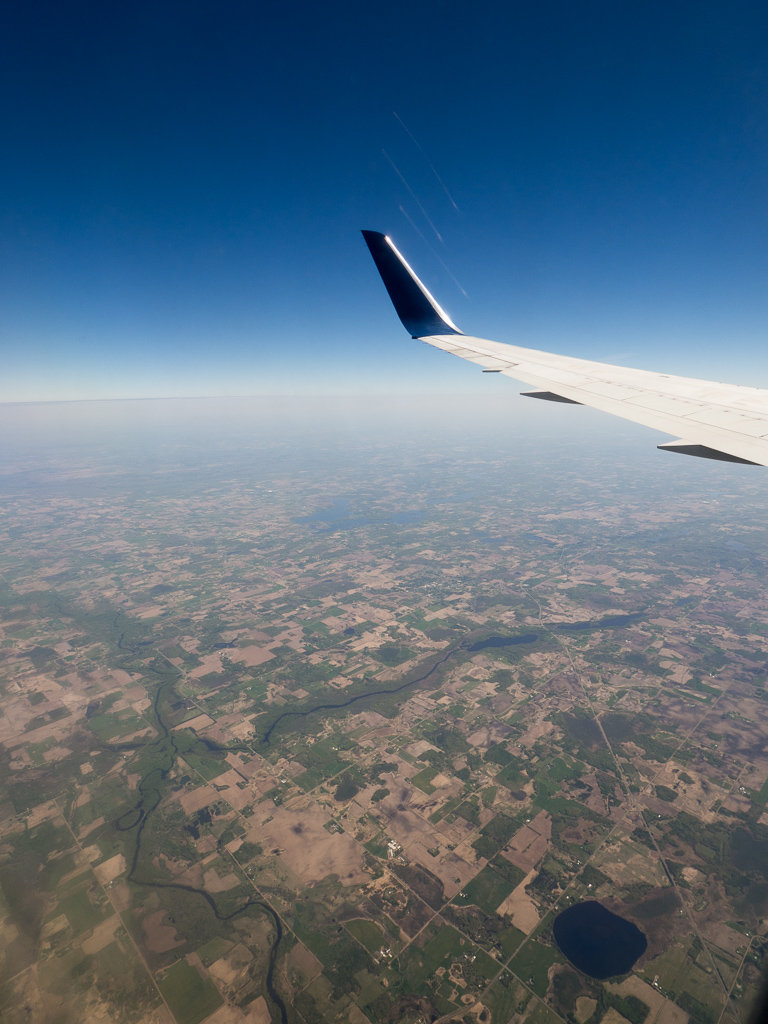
x=597, y=941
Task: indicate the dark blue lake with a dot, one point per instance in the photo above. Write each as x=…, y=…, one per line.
x=340, y=517
x=487, y=538
x=503, y=641
x=541, y=540
x=597, y=941
x=735, y=545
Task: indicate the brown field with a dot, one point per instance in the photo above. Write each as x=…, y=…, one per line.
x=110, y=869
x=44, y=812
x=228, y=968
x=304, y=963
x=198, y=798
x=256, y=1013
x=120, y=895
x=585, y=1007
x=671, y=1013
x=492, y=733
x=200, y=722
x=721, y=935
x=417, y=837
x=227, y=787
x=209, y=663
x=58, y=924
x=307, y=848
x=521, y=907
x=102, y=935
x=696, y=797
x=635, y=986
x=160, y=937
x=56, y=754
x=427, y=804
x=452, y=869
x=535, y=732
x=252, y=655
x=612, y=1016
x=530, y=843
x=630, y=862
x=214, y=882
x=418, y=748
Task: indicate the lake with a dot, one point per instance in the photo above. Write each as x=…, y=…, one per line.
x=340, y=517
x=503, y=641
x=610, y=622
x=597, y=941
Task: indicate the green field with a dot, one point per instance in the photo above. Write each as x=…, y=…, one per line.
x=213, y=950
x=56, y=869
x=108, y=727
x=367, y=934
x=371, y=988
x=444, y=947
x=532, y=963
x=81, y=913
x=667, y=966
x=190, y=998
x=506, y=997
x=541, y=1014
x=448, y=807
x=486, y=890
x=489, y=795
x=423, y=780
x=446, y=942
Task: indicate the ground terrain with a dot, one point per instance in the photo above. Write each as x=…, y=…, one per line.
x=259, y=762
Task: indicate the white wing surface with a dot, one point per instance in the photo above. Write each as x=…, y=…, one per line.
x=717, y=421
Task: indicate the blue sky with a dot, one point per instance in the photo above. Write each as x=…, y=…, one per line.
x=182, y=188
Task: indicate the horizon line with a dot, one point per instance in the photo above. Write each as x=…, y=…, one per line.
x=291, y=394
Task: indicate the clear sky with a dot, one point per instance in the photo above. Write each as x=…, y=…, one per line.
x=182, y=188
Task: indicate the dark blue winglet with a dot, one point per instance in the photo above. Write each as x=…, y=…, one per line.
x=418, y=311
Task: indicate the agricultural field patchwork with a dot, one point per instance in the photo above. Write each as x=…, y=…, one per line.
x=337, y=742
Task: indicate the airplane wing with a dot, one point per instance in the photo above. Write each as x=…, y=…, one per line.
x=727, y=422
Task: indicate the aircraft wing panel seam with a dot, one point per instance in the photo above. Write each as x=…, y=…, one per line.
x=729, y=396
x=650, y=395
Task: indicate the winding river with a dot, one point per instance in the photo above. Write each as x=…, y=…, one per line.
x=383, y=692
x=150, y=786
x=149, y=800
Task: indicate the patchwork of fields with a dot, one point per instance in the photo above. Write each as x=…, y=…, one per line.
x=260, y=763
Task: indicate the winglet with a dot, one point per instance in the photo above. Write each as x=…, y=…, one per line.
x=419, y=313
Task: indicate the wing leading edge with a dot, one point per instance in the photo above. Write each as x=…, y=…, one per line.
x=727, y=422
